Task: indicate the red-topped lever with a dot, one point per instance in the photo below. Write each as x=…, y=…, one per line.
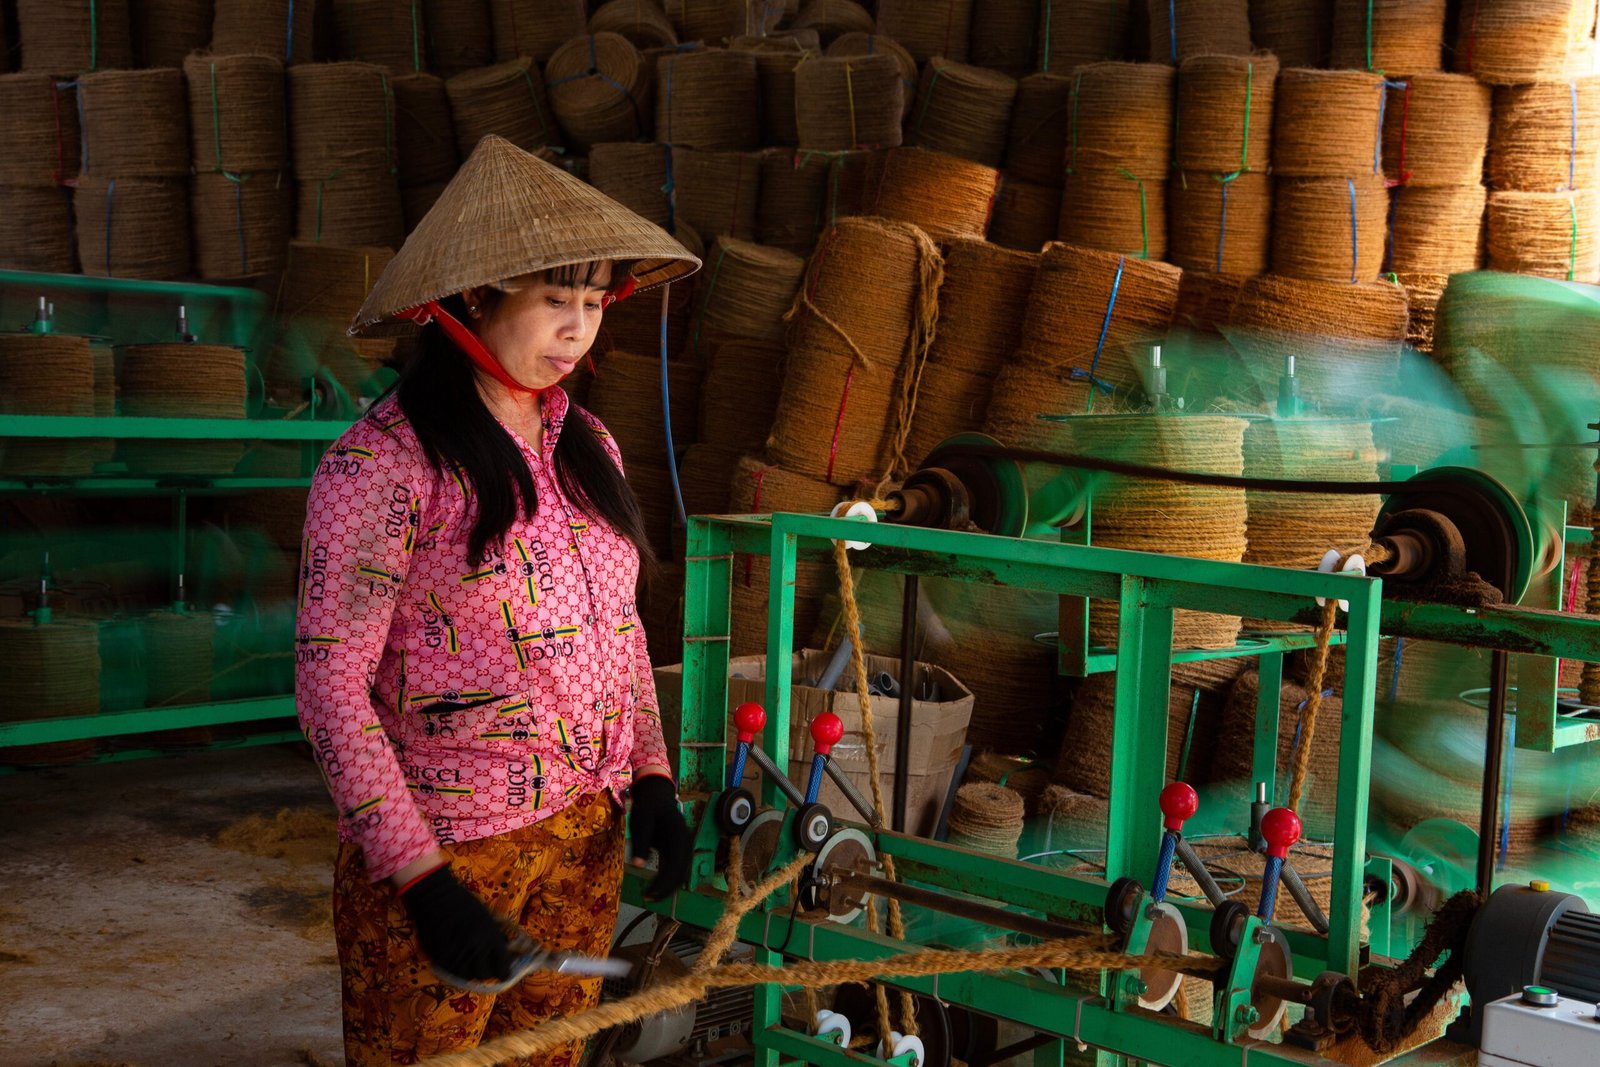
x=826, y=730
x=1179, y=802
x=749, y=719
x=1281, y=828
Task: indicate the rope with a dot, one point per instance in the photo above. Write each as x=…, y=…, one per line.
x=1308, y=719
x=727, y=929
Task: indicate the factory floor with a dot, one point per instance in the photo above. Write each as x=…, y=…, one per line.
x=168, y=912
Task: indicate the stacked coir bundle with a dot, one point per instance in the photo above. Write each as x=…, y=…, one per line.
x=747, y=290
x=1395, y=37
x=282, y=29
x=243, y=199
x=1003, y=36
x=460, y=37
x=599, y=88
x=850, y=389
x=1027, y=209
x=982, y=305
x=833, y=19
x=341, y=132
x=640, y=21
x=777, y=63
x=709, y=99
x=945, y=195
x=1330, y=201
x=1025, y=215
x=1220, y=193
x=851, y=44
x=986, y=817
x=714, y=20
x=75, y=36
x=1180, y=29
x=1520, y=42
x=1075, y=32
x=48, y=374
x=762, y=488
x=179, y=659
x=425, y=142
x=637, y=176
x=794, y=195
x=962, y=111
x=1119, y=152
x=183, y=381
x=52, y=671
x=1088, y=323
x=507, y=99
x=165, y=32
x=131, y=200
x=1435, y=132
x=928, y=28
x=384, y=32
x=716, y=193
x=534, y=28
x=43, y=157
x=1296, y=31
x=848, y=102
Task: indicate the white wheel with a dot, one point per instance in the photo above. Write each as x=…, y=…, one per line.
x=895, y=1037
x=912, y=1045
x=832, y=1022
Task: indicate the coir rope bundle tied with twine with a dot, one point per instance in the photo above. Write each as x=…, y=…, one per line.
x=42, y=126
x=855, y=43
x=834, y=18
x=283, y=29
x=1329, y=229
x=237, y=112
x=534, y=28
x=708, y=99
x=1075, y=32
x=983, y=303
x=843, y=103
x=1517, y=42
x=135, y=124
x=640, y=21
x=133, y=227
x=1026, y=215
x=36, y=231
x=962, y=111
x=1327, y=123
x=1120, y=120
x=746, y=292
x=1435, y=130
x=1036, y=143
x=327, y=281
x=1224, y=114
x=1436, y=229
x=1401, y=36
x=987, y=817
x=350, y=207
x=599, y=88
x=1296, y=31
x=794, y=194
x=927, y=28
x=424, y=132
x=507, y=99
x=64, y=37
x=241, y=223
x=1548, y=234
x=637, y=176
x=947, y=196
x=341, y=119
x=1220, y=223
x=740, y=394
x=761, y=488
x=777, y=64
x=851, y=384
x=381, y=31
x=1115, y=211
x=716, y=192
x=1003, y=36
x=1546, y=136
x=1180, y=29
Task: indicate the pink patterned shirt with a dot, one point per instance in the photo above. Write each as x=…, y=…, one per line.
x=450, y=699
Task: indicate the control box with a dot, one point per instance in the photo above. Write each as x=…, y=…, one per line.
x=1539, y=1028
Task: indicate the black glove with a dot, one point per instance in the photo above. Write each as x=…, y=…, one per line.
x=456, y=930
x=656, y=823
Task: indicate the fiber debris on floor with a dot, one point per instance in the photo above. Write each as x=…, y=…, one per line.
x=169, y=912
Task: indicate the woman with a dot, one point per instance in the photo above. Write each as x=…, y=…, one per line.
x=472, y=675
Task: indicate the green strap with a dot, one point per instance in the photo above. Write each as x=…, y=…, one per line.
x=1369, y=34
x=706, y=301
x=1044, y=64
x=388, y=125
x=416, y=40
x=1072, y=125
x=927, y=98
x=1249, y=87
x=216, y=118
x=544, y=127
x=94, y=38
x=1144, y=218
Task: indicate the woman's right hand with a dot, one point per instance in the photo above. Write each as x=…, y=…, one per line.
x=455, y=930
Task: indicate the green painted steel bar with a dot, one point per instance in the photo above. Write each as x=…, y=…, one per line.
x=708, y=568
x=1264, y=757
x=1104, y=660
x=124, y=755
x=143, y=720
x=1531, y=631
x=111, y=485
x=780, y=660
x=1355, y=781
x=131, y=427
x=1139, y=737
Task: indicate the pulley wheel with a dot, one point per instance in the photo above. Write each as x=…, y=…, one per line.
x=849, y=851
x=758, y=845
x=935, y=1022
x=1494, y=528
x=1169, y=936
x=997, y=493
x=1275, y=961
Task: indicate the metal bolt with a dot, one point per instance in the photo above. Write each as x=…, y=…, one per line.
x=1247, y=1015
x=1262, y=936
x=1136, y=986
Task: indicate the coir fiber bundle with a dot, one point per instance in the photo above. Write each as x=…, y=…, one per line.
x=1025, y=215
x=849, y=390
x=1329, y=229
x=794, y=193
x=761, y=488
x=341, y=117
x=1435, y=130
x=716, y=192
x=51, y=671
x=626, y=396
x=746, y=291
x=927, y=28
x=1551, y=235
x=166, y=31
x=460, y=35
x=1422, y=295
x=354, y=207
x=706, y=477
x=873, y=44
x=1003, y=36
x=1167, y=517
x=36, y=231
x=962, y=111
x=133, y=227
x=708, y=99
x=1296, y=31
x=640, y=21
x=637, y=176
x=1402, y=37
x=1205, y=300
x=280, y=28
x=1517, y=42
x=1224, y=119
x=599, y=88
x=776, y=63
x=1036, y=143
x=982, y=305
x=52, y=374
x=1089, y=310
x=1121, y=119
x=635, y=325
x=1326, y=123
x=716, y=20
x=1075, y=32
x=1023, y=391
x=740, y=394
x=135, y=124
x=65, y=37
x=1546, y=137
x=950, y=400
x=1180, y=29
x=183, y=381
x=180, y=658
x=986, y=817
x=1116, y=212
x=237, y=113
x=1220, y=225
x=945, y=195
x=843, y=103
x=1436, y=229
x=1029, y=778
x=386, y=32
x=42, y=128
x=535, y=28
x=507, y=99
x=424, y=133
x=328, y=281
x=241, y=223
x=834, y=18
x=1073, y=819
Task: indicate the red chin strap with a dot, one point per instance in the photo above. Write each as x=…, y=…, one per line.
x=468, y=342
x=621, y=292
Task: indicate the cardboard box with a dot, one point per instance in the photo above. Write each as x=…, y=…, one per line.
x=939, y=729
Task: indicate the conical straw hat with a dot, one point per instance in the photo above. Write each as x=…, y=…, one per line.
x=507, y=213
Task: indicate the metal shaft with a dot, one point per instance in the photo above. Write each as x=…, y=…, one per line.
x=1303, y=898
x=963, y=909
x=770, y=769
x=1493, y=751
x=908, y=668
x=853, y=795
x=1197, y=868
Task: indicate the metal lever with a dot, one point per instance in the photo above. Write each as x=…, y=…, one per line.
x=1179, y=802
x=1281, y=828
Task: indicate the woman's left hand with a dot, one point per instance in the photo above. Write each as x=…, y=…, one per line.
x=656, y=824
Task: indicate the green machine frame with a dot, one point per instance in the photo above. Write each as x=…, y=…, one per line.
x=1147, y=588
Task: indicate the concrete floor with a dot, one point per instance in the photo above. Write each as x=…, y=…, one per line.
x=131, y=937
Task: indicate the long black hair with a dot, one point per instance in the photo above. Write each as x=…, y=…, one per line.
x=438, y=394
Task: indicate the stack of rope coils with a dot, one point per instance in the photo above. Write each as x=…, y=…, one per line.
x=853, y=363
x=834, y=18
x=848, y=45
x=986, y=817
x=341, y=132
x=637, y=176
x=1025, y=215
x=928, y=28
x=1003, y=36
x=49, y=671
x=1520, y=42
x=848, y=102
x=1394, y=37
x=706, y=478
x=425, y=142
x=708, y=99
x=962, y=111
x=534, y=28
x=982, y=305
x=714, y=20
x=762, y=488
x=1027, y=778
x=1180, y=29
x=945, y=195
x=640, y=21
x=740, y=394
x=635, y=325
x=746, y=292
x=1036, y=145
x=243, y=198
x=165, y=33
x=282, y=29
x=50, y=374
x=794, y=195
x=599, y=88
x=1220, y=193
x=382, y=32
x=506, y=99
x=183, y=381
x=1119, y=155
x=1236, y=742
x=74, y=36
x=1296, y=31
x=41, y=158
x=1330, y=201
x=132, y=197
x=1075, y=32
x=180, y=658
x=1088, y=321
x=460, y=37
x=716, y=193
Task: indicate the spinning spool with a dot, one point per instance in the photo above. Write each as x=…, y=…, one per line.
x=708, y=99
x=717, y=192
x=1400, y=36
x=740, y=394
x=42, y=121
x=1224, y=113
x=1329, y=229
x=962, y=111
x=36, y=234
x=1121, y=120
x=460, y=36
x=1025, y=215
x=65, y=37
x=760, y=488
x=794, y=193
x=856, y=43
x=534, y=28
x=1547, y=234
x=1075, y=32
x=637, y=176
x=241, y=223
x=1036, y=142
x=1220, y=226
x=1516, y=42
x=237, y=112
x=1435, y=130
x=1003, y=36
x=1436, y=230
x=1325, y=123
x=834, y=18
x=1181, y=29
x=424, y=133
x=48, y=374
x=640, y=21
x=183, y=381
x=1423, y=292
x=747, y=290
x=50, y=671
x=1546, y=137
x=944, y=195
x=134, y=124
x=599, y=88
x=927, y=28
x=843, y=103
x=507, y=99
x=133, y=227
x=1115, y=212
x=282, y=29
x=350, y=207
x=986, y=818
x=382, y=32
x=341, y=118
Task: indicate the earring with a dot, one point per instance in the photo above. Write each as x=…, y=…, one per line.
x=472, y=310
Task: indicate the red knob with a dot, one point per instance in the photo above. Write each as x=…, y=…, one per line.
x=826, y=729
x=750, y=719
x=1281, y=828
x=1179, y=802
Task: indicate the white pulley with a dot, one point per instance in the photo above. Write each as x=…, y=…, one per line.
x=1354, y=565
x=856, y=509
x=900, y=1044
x=832, y=1022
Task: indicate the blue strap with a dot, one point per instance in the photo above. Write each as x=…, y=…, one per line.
x=1105, y=326
x=666, y=414
x=1172, y=27
x=288, y=44
x=1572, y=154
x=1355, y=248
x=110, y=191
x=1222, y=228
